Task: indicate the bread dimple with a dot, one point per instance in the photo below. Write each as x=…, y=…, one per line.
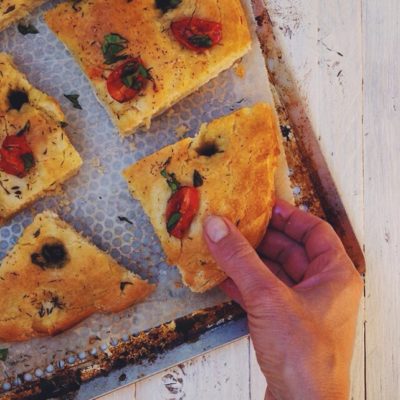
x=238, y=184
x=56, y=159
x=176, y=70
x=39, y=299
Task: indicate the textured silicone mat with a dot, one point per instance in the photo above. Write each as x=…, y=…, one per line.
x=97, y=201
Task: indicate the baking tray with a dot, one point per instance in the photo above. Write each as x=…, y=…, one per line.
x=96, y=203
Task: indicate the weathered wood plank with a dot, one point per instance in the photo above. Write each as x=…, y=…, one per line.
x=322, y=40
x=382, y=196
x=221, y=374
x=258, y=384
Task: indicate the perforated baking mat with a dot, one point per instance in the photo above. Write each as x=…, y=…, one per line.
x=97, y=202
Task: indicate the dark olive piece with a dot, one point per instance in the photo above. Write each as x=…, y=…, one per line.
x=207, y=149
x=17, y=98
x=54, y=254
x=51, y=256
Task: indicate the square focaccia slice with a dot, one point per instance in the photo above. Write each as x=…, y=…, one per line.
x=143, y=56
x=228, y=169
x=14, y=10
x=54, y=278
x=35, y=153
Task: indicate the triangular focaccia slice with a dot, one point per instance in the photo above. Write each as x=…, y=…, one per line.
x=179, y=46
x=54, y=278
x=14, y=10
x=232, y=162
x=35, y=152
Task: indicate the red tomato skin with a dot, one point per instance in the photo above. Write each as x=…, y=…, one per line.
x=116, y=88
x=13, y=148
x=187, y=27
x=186, y=201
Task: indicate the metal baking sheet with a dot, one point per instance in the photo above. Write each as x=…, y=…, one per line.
x=98, y=204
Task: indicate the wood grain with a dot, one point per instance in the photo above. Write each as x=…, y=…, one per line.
x=258, y=384
x=381, y=23
x=221, y=374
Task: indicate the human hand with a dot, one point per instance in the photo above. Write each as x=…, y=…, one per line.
x=301, y=293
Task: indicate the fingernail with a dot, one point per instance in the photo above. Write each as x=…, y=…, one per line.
x=216, y=229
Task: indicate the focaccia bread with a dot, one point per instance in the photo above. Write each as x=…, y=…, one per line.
x=143, y=56
x=14, y=10
x=54, y=278
x=35, y=152
x=228, y=169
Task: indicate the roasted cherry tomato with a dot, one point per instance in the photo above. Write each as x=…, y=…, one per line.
x=128, y=80
x=182, y=207
x=16, y=156
x=197, y=34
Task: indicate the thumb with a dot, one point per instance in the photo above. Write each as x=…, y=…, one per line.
x=235, y=256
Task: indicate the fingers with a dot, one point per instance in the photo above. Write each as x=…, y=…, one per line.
x=231, y=290
x=315, y=234
x=239, y=261
x=278, y=270
x=282, y=249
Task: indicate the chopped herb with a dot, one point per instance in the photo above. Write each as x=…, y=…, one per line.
x=73, y=98
x=56, y=302
x=198, y=180
x=172, y=182
x=37, y=233
x=134, y=75
x=3, y=354
x=166, y=5
x=203, y=41
x=74, y=4
x=63, y=124
x=28, y=160
x=123, y=284
x=124, y=219
x=25, y=129
x=9, y=9
x=42, y=311
x=27, y=29
x=173, y=221
x=113, y=45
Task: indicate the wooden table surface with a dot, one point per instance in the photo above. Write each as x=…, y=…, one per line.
x=345, y=57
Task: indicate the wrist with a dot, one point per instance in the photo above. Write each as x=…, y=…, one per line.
x=323, y=375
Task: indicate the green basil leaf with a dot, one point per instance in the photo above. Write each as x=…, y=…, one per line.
x=73, y=98
x=172, y=182
x=113, y=45
x=28, y=161
x=201, y=41
x=173, y=221
x=3, y=354
x=27, y=29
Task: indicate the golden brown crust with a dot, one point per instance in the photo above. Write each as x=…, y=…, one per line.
x=39, y=301
x=56, y=160
x=177, y=71
x=14, y=10
x=238, y=184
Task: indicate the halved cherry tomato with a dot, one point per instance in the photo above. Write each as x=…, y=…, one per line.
x=128, y=80
x=182, y=207
x=16, y=156
x=197, y=34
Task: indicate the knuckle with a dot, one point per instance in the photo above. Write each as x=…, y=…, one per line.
x=239, y=251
